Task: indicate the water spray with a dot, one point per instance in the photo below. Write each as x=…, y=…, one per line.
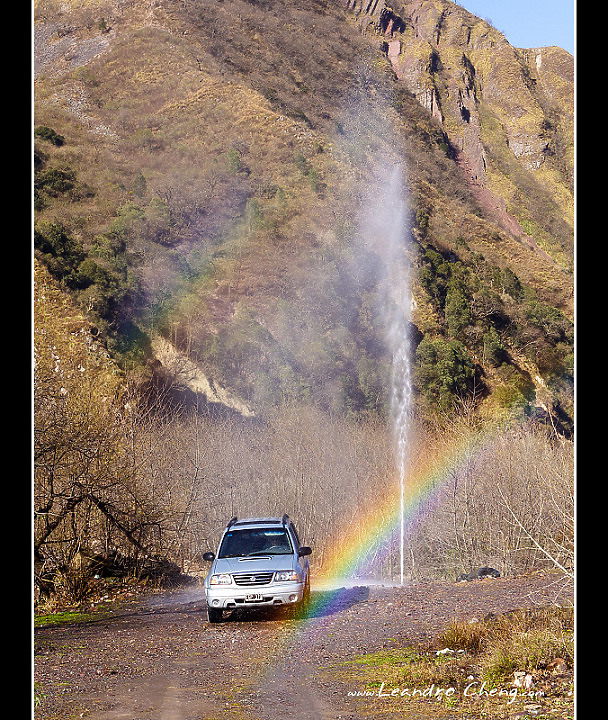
x=388, y=224
x=401, y=389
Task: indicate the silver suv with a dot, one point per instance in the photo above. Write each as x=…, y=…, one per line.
x=260, y=563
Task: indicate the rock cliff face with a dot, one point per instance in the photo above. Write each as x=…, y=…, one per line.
x=501, y=107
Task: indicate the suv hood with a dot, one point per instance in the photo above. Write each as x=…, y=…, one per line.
x=267, y=563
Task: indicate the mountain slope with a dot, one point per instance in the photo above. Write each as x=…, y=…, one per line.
x=508, y=112
x=217, y=159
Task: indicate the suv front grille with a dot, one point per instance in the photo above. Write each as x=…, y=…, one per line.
x=253, y=578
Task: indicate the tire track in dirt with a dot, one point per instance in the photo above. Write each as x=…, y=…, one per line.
x=161, y=660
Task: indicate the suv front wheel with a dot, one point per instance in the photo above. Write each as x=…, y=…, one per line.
x=214, y=615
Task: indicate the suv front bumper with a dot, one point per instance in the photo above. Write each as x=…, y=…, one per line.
x=229, y=597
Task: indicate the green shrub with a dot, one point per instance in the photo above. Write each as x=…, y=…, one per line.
x=493, y=349
x=443, y=371
x=510, y=397
x=61, y=253
x=47, y=133
x=511, y=284
x=55, y=181
x=457, y=307
x=140, y=185
x=89, y=272
x=233, y=160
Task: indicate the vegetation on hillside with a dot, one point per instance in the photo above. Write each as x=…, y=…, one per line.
x=205, y=181
x=122, y=486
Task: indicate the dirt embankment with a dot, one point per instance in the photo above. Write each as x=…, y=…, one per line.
x=159, y=658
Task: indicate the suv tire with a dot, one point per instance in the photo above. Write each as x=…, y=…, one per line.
x=214, y=616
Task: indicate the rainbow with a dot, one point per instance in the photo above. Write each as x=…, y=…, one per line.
x=367, y=535
x=371, y=534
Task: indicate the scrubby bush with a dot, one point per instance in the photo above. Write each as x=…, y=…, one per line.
x=47, y=133
x=60, y=252
x=443, y=371
x=527, y=641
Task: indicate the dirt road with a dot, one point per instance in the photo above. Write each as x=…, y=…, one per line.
x=159, y=659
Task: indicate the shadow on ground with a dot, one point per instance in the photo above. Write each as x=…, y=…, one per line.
x=323, y=603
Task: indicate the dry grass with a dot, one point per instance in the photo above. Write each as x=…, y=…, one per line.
x=471, y=668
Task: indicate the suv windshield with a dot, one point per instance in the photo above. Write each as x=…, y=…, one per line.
x=255, y=541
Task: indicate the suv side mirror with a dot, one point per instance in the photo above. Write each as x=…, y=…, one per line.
x=304, y=550
x=209, y=556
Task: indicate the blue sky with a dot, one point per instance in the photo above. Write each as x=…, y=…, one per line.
x=529, y=23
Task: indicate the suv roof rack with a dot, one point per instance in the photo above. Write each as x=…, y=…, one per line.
x=285, y=520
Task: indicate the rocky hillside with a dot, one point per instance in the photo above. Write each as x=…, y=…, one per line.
x=508, y=113
x=203, y=169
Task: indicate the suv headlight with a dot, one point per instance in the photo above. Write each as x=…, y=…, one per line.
x=283, y=575
x=223, y=579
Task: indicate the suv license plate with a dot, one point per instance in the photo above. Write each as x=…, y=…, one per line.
x=253, y=598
